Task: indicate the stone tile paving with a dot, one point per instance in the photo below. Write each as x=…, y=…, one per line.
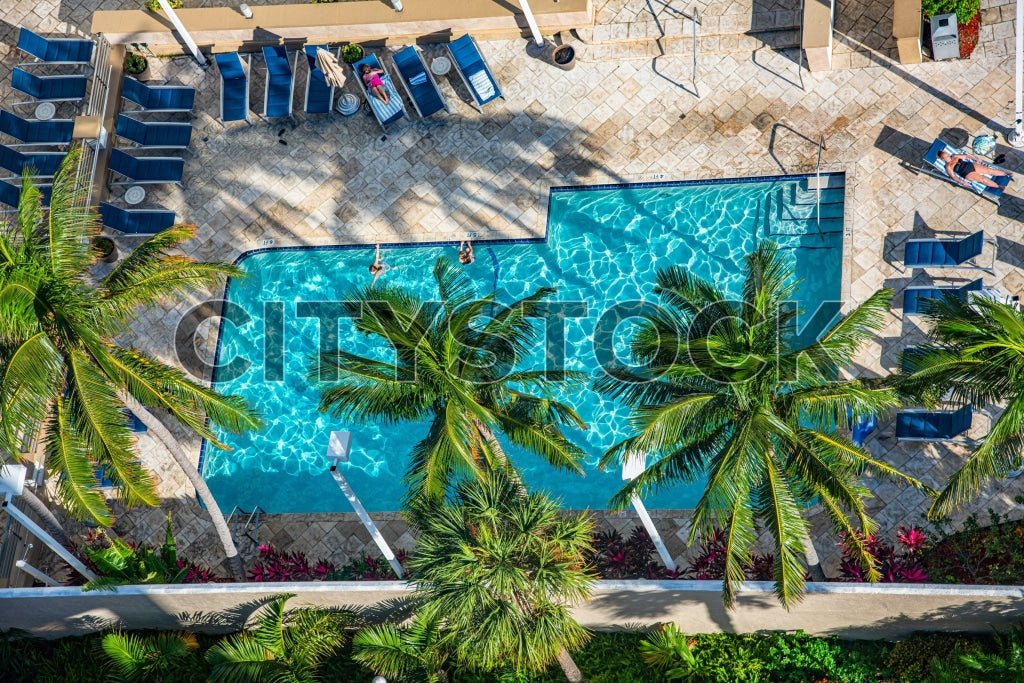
x=609, y=120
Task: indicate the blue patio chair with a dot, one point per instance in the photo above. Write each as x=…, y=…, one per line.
x=934, y=166
x=949, y=253
x=165, y=135
x=280, y=87
x=44, y=164
x=146, y=170
x=419, y=82
x=319, y=93
x=862, y=428
x=11, y=194
x=49, y=88
x=473, y=70
x=934, y=425
x=52, y=132
x=135, y=221
x=134, y=423
x=55, y=50
x=915, y=298
x=386, y=114
x=104, y=476
x=159, y=97
x=234, y=87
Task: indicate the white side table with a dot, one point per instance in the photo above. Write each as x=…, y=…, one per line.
x=348, y=104
x=134, y=195
x=45, y=111
x=440, y=66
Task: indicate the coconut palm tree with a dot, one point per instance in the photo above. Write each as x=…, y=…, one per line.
x=976, y=355
x=455, y=367
x=501, y=570
x=282, y=647
x=149, y=658
x=727, y=397
x=61, y=369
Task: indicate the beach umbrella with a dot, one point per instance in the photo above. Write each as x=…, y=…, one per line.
x=333, y=73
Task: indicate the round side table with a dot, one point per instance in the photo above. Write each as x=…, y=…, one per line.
x=441, y=66
x=135, y=195
x=348, y=104
x=45, y=111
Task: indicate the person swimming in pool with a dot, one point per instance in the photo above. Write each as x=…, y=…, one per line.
x=378, y=267
x=965, y=169
x=466, y=256
x=371, y=77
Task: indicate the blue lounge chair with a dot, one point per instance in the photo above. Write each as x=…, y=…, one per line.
x=473, y=70
x=948, y=253
x=51, y=88
x=159, y=97
x=134, y=423
x=52, y=132
x=935, y=166
x=45, y=164
x=149, y=170
x=914, y=298
x=419, y=82
x=862, y=428
x=386, y=114
x=934, y=425
x=135, y=222
x=167, y=135
x=55, y=50
x=234, y=87
x=11, y=194
x=319, y=93
x=280, y=88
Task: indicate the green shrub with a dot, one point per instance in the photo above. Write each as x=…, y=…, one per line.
x=351, y=53
x=992, y=555
x=911, y=660
x=154, y=6
x=965, y=9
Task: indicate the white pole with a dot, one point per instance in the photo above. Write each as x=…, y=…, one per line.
x=634, y=465
x=338, y=449
x=185, y=35
x=50, y=542
x=1016, y=137
x=532, y=23
x=35, y=573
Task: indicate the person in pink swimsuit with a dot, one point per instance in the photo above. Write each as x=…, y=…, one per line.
x=371, y=77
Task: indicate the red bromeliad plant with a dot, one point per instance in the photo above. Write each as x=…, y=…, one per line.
x=711, y=557
x=277, y=566
x=901, y=563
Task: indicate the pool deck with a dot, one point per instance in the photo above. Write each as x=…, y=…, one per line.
x=620, y=116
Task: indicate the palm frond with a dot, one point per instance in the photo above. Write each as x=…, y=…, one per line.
x=70, y=457
x=70, y=223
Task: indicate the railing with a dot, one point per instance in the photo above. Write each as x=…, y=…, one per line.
x=800, y=49
x=695, y=20
x=96, y=106
x=14, y=534
x=817, y=184
x=252, y=522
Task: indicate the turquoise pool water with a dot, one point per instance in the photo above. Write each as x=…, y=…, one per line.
x=603, y=247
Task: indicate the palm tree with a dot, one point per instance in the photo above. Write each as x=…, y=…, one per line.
x=456, y=367
x=417, y=651
x=501, y=570
x=727, y=397
x=147, y=659
x=976, y=354
x=61, y=369
x=283, y=646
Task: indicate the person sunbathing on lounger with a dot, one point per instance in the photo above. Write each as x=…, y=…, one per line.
x=965, y=169
x=373, y=82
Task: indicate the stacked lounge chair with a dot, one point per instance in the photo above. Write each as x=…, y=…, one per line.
x=473, y=70
x=234, y=87
x=419, y=82
x=280, y=87
x=319, y=93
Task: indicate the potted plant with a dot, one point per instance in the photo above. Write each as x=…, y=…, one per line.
x=351, y=53
x=135, y=64
x=564, y=57
x=105, y=249
x=154, y=6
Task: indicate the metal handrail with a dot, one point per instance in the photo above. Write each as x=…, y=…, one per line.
x=695, y=19
x=800, y=49
x=817, y=182
x=252, y=521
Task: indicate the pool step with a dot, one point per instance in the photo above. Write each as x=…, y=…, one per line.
x=832, y=195
x=794, y=212
x=800, y=228
x=802, y=212
x=828, y=181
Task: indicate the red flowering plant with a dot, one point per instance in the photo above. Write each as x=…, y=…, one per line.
x=900, y=563
x=276, y=566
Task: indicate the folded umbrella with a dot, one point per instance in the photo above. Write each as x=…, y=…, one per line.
x=333, y=73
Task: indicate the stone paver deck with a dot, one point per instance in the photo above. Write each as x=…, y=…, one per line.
x=336, y=181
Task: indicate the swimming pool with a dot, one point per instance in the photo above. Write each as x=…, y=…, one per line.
x=603, y=247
